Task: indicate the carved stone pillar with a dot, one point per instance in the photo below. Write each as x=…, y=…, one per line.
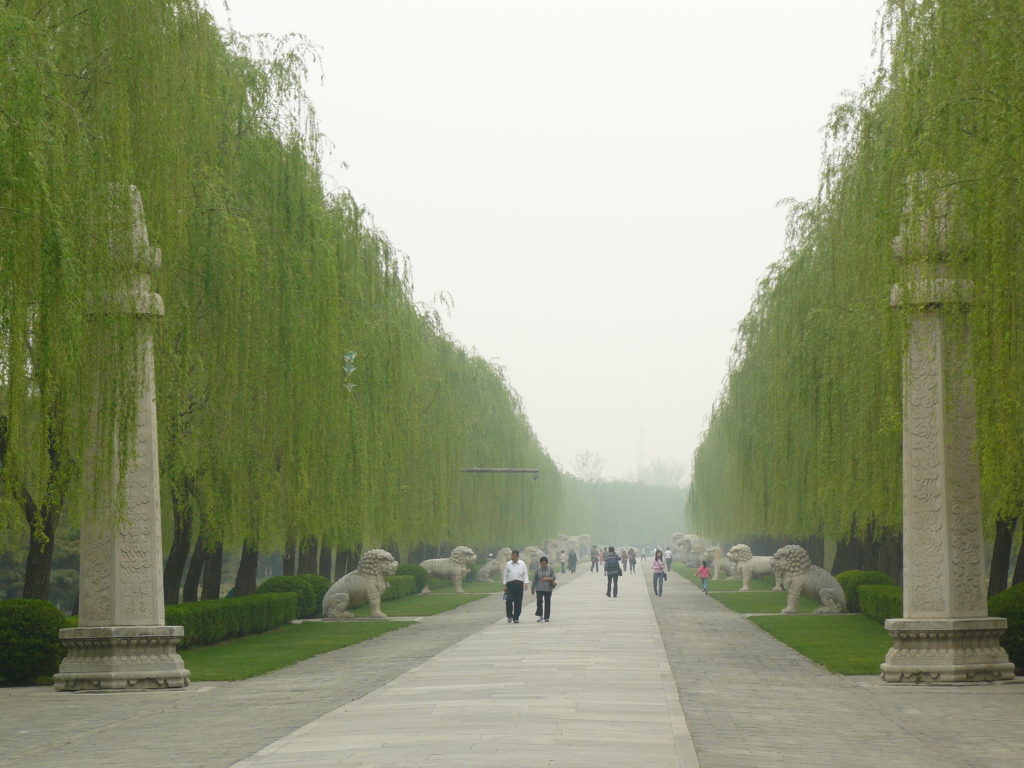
x=121, y=641
x=945, y=634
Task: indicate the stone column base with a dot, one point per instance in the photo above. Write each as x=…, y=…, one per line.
x=118, y=658
x=946, y=651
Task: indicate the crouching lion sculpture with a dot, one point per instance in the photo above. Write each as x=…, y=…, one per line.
x=493, y=568
x=719, y=562
x=365, y=584
x=749, y=566
x=454, y=568
x=800, y=577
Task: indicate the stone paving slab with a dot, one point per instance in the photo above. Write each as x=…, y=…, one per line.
x=466, y=689
x=592, y=686
x=750, y=699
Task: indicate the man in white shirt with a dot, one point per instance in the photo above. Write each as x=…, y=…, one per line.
x=515, y=577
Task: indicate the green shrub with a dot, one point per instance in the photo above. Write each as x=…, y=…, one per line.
x=411, y=569
x=210, y=621
x=881, y=601
x=851, y=582
x=1010, y=605
x=308, y=604
x=400, y=585
x=319, y=584
x=30, y=644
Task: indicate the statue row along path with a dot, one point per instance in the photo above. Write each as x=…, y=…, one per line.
x=599, y=684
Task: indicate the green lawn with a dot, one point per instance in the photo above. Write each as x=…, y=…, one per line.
x=723, y=584
x=761, y=602
x=256, y=654
x=423, y=605
x=845, y=643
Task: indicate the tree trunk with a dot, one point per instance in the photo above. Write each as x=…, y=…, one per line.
x=40, y=558
x=178, y=555
x=190, y=592
x=1018, y=569
x=245, y=578
x=999, y=572
x=212, y=569
x=849, y=556
x=326, y=558
x=288, y=566
x=308, y=556
x=343, y=563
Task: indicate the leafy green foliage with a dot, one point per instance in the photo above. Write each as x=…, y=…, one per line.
x=881, y=601
x=400, y=585
x=319, y=584
x=851, y=581
x=805, y=438
x=210, y=621
x=30, y=645
x=417, y=571
x=305, y=593
x=1009, y=604
x=301, y=390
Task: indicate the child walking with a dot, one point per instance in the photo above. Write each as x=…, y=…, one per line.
x=704, y=574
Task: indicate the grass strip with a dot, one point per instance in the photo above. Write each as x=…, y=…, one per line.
x=845, y=643
x=469, y=587
x=761, y=602
x=423, y=605
x=253, y=655
x=721, y=585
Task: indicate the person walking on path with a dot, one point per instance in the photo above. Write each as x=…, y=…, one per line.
x=573, y=558
x=668, y=560
x=563, y=559
x=515, y=576
x=704, y=574
x=595, y=560
x=612, y=569
x=632, y=560
x=543, y=585
x=658, y=567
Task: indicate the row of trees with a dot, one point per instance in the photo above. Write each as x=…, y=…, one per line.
x=805, y=439
x=305, y=400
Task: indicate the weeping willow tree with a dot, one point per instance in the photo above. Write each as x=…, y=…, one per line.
x=302, y=393
x=805, y=438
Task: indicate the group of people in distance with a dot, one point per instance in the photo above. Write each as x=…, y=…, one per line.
x=516, y=577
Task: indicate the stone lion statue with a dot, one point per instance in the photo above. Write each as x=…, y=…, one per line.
x=365, y=584
x=492, y=569
x=718, y=562
x=749, y=565
x=686, y=548
x=800, y=577
x=531, y=556
x=453, y=568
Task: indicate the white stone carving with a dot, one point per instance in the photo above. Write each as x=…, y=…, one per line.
x=364, y=585
x=492, y=569
x=750, y=566
x=719, y=563
x=453, y=568
x=800, y=577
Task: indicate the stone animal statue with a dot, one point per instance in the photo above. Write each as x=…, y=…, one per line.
x=719, y=562
x=686, y=548
x=749, y=565
x=454, y=567
x=531, y=556
x=365, y=584
x=492, y=569
x=800, y=577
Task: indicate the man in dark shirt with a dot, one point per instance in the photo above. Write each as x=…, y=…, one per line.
x=612, y=569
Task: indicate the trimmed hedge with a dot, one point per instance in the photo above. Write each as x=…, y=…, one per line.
x=30, y=645
x=411, y=569
x=400, y=586
x=308, y=602
x=210, y=621
x=1010, y=605
x=851, y=582
x=319, y=584
x=881, y=601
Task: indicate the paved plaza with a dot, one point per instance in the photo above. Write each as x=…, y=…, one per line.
x=677, y=681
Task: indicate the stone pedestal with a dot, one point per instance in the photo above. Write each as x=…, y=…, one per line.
x=945, y=634
x=121, y=641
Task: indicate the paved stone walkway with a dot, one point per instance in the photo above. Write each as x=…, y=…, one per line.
x=597, y=685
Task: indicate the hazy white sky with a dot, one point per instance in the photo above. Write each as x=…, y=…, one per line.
x=593, y=182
